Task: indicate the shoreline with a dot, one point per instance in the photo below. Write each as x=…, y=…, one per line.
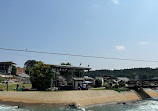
x=64, y=98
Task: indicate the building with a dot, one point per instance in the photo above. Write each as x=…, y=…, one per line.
x=6, y=68
x=82, y=83
x=77, y=83
x=89, y=81
x=109, y=81
x=74, y=78
x=20, y=70
x=123, y=79
x=101, y=79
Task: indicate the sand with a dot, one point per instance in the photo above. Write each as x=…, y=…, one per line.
x=84, y=98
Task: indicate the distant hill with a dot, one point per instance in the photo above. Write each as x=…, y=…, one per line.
x=143, y=73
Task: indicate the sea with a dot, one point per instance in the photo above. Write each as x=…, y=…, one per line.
x=143, y=105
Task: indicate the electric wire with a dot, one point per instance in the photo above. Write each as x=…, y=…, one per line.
x=85, y=56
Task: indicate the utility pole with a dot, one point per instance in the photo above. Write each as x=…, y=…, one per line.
x=7, y=85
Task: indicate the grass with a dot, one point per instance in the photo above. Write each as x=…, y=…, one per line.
x=12, y=86
x=115, y=89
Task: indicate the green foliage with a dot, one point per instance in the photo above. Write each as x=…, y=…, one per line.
x=120, y=90
x=12, y=86
x=116, y=86
x=143, y=73
x=121, y=85
x=98, y=83
x=68, y=63
x=115, y=89
x=28, y=65
x=13, y=70
x=1, y=79
x=40, y=76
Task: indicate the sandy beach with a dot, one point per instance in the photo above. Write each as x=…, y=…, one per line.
x=84, y=98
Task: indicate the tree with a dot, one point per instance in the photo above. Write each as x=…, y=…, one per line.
x=40, y=76
x=98, y=83
x=13, y=70
x=28, y=65
x=68, y=63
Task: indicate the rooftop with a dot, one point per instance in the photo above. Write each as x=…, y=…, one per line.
x=9, y=62
x=69, y=67
x=78, y=79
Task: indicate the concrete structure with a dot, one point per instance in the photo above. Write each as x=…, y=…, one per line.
x=88, y=97
x=6, y=68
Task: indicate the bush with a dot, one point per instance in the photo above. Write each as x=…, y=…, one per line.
x=1, y=79
x=98, y=83
x=121, y=85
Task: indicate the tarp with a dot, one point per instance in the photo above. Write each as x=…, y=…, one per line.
x=87, y=82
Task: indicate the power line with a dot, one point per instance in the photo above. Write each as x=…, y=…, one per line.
x=64, y=54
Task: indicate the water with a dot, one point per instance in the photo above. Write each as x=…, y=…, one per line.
x=144, y=105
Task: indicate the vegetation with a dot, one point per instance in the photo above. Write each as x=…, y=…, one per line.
x=143, y=73
x=98, y=83
x=40, y=76
x=1, y=79
x=115, y=89
x=68, y=63
x=28, y=65
x=13, y=70
x=12, y=86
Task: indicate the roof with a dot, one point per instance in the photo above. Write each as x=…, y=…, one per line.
x=88, y=78
x=23, y=75
x=78, y=79
x=69, y=67
x=9, y=62
x=123, y=78
x=155, y=78
x=109, y=76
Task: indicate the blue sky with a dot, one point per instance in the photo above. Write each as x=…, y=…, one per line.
x=110, y=28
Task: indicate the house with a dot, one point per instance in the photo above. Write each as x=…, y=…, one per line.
x=6, y=67
x=109, y=81
x=20, y=70
x=83, y=83
x=74, y=76
x=77, y=82
x=123, y=79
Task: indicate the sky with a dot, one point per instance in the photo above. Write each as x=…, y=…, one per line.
x=107, y=28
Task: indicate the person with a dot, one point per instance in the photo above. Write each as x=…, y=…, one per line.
x=17, y=87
